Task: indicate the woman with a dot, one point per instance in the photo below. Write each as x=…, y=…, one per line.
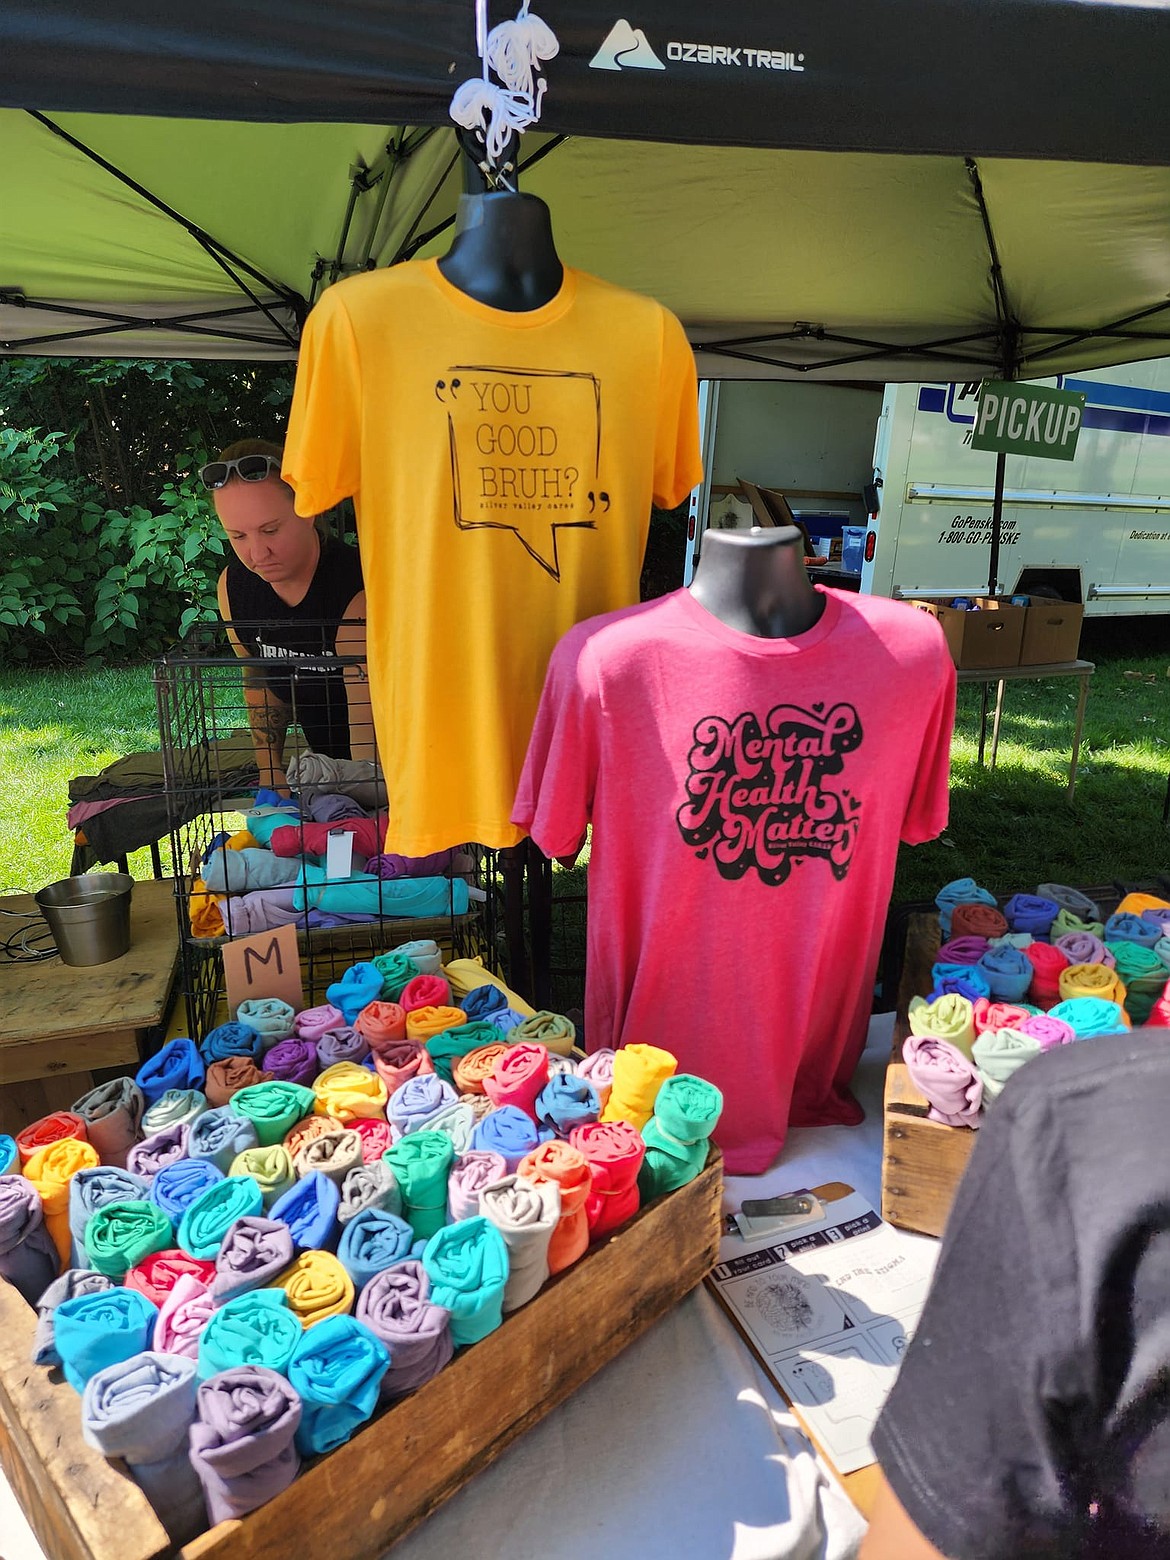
x=294, y=608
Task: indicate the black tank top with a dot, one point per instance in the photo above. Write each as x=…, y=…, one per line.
x=306, y=634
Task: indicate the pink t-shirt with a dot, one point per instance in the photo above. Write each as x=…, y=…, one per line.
x=747, y=798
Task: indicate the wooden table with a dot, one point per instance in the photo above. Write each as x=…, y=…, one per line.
x=59, y=1022
x=1002, y=675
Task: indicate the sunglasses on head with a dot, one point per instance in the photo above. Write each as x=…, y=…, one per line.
x=249, y=468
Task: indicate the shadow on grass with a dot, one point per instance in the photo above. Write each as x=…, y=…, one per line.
x=91, y=748
x=1015, y=827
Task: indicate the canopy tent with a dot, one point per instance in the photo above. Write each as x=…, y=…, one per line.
x=934, y=189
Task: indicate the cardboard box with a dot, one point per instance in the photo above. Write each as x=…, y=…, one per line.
x=407, y=1461
x=1052, y=631
x=988, y=638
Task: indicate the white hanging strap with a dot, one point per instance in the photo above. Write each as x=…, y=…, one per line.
x=514, y=51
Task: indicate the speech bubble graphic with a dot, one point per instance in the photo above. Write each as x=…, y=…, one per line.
x=524, y=443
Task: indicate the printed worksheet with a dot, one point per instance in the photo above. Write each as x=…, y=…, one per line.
x=829, y=1311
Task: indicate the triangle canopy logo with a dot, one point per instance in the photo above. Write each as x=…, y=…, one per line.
x=625, y=48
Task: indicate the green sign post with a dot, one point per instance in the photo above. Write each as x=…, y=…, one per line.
x=1015, y=419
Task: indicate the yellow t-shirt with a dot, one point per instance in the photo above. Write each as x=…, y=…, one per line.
x=502, y=467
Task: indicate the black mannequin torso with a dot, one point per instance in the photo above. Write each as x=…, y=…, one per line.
x=503, y=253
x=755, y=581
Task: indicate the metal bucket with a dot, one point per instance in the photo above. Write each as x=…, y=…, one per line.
x=89, y=916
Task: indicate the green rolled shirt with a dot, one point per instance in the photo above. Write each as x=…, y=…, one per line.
x=451, y=1045
x=397, y=972
x=272, y=1108
x=256, y=1328
x=686, y=1112
x=122, y=1234
x=421, y=1162
x=551, y=1030
x=998, y=1053
x=208, y=1219
x=271, y=1169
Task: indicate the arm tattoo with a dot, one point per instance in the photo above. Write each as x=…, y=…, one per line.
x=269, y=719
x=271, y=723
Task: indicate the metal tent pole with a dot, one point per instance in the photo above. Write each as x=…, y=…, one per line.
x=1009, y=345
x=996, y=522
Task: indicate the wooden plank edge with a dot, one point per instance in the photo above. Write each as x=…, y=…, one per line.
x=900, y=1094
x=922, y=1164
x=265, y=1533
x=80, y=1506
x=23, y=1061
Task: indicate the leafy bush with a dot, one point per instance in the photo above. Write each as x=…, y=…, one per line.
x=109, y=547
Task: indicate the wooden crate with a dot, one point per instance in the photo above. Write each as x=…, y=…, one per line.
x=922, y=1161
x=404, y=1464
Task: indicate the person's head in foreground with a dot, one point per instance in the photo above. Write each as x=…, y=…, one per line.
x=1031, y=1416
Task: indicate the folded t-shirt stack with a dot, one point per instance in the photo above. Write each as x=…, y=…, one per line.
x=396, y=1306
x=29, y=1258
x=178, y=1065
x=157, y=1275
x=274, y=872
x=49, y=1129
x=271, y=1018
x=227, y=1077
x=173, y=1107
x=242, y=1439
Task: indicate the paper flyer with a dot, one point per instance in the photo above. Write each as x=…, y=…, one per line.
x=829, y=1312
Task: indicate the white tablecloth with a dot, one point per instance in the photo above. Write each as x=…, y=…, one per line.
x=681, y=1446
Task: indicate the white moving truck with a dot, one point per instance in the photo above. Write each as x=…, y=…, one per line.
x=1095, y=529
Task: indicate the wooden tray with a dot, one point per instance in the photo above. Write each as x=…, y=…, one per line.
x=922, y=1161
x=402, y=1465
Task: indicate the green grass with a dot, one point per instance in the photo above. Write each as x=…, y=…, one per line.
x=1013, y=827
x=1010, y=828
x=54, y=725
